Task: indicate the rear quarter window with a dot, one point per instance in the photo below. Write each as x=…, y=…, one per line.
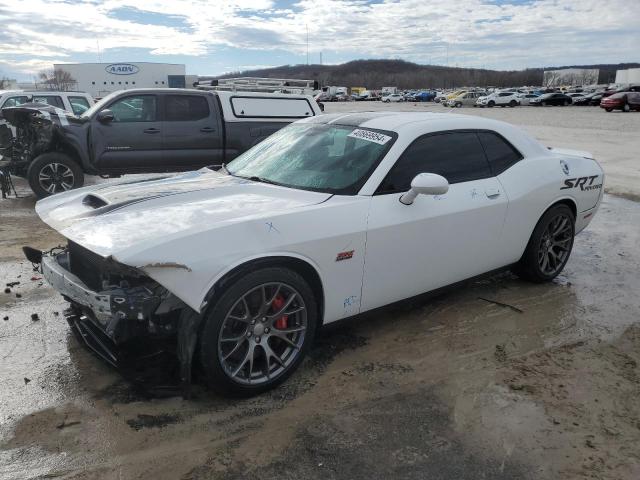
x=264, y=107
x=500, y=153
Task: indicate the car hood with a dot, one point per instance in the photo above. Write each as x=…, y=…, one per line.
x=122, y=219
x=39, y=123
x=39, y=113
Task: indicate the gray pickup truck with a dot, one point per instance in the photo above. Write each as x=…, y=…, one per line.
x=140, y=131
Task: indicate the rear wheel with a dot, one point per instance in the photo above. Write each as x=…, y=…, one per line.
x=550, y=245
x=258, y=332
x=565, y=103
x=513, y=103
x=52, y=173
x=608, y=109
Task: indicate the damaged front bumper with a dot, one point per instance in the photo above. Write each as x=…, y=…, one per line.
x=109, y=307
x=116, y=308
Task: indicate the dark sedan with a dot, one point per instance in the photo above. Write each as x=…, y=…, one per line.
x=551, y=99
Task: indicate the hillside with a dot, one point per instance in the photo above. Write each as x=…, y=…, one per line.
x=375, y=74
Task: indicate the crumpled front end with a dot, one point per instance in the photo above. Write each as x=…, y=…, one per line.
x=36, y=127
x=111, y=303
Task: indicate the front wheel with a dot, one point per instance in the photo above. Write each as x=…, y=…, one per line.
x=513, y=103
x=550, y=245
x=52, y=173
x=258, y=332
x=491, y=103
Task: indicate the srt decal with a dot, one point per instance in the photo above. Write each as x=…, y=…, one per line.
x=585, y=183
x=344, y=255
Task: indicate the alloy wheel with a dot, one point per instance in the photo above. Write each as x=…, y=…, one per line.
x=262, y=334
x=56, y=178
x=555, y=244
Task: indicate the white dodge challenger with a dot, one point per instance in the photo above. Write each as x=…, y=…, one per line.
x=327, y=218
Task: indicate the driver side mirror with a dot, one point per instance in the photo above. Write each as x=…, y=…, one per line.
x=105, y=116
x=425, y=184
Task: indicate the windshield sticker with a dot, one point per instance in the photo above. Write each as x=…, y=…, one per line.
x=370, y=136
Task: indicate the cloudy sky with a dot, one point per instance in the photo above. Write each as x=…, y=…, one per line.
x=217, y=36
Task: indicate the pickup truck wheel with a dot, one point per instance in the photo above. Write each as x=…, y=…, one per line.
x=52, y=173
x=549, y=247
x=258, y=332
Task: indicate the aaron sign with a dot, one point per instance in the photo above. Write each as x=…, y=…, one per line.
x=122, y=69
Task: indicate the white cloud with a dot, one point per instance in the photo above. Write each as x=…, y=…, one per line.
x=473, y=32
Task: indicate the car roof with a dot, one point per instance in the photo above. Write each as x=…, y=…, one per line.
x=413, y=124
x=395, y=121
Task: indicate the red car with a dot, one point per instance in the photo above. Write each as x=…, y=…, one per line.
x=625, y=101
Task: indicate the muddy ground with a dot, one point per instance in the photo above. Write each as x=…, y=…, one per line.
x=543, y=385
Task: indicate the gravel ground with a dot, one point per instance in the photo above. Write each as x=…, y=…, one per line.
x=451, y=387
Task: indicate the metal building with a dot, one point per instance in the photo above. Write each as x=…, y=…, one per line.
x=100, y=79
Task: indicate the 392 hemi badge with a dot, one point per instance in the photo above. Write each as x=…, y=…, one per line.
x=344, y=256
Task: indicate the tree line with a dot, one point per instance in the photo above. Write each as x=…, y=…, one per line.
x=375, y=74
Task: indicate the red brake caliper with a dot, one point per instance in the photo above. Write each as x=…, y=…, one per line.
x=277, y=303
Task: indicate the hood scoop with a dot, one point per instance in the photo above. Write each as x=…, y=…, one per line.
x=94, y=201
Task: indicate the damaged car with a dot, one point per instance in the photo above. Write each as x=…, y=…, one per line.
x=140, y=131
x=329, y=217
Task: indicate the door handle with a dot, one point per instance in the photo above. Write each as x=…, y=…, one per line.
x=492, y=192
x=151, y=130
x=207, y=129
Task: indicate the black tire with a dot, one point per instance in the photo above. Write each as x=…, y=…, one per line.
x=64, y=174
x=491, y=104
x=531, y=264
x=608, y=110
x=544, y=104
x=565, y=103
x=216, y=377
x=513, y=103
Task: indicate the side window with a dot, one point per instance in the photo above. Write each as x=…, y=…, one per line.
x=180, y=108
x=500, y=153
x=14, y=101
x=139, y=108
x=79, y=105
x=457, y=156
x=53, y=100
